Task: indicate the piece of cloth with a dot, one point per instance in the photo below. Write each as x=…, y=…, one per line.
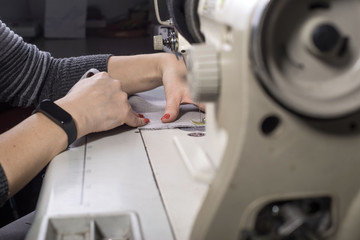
x=187, y=116
x=28, y=75
x=18, y=229
x=152, y=105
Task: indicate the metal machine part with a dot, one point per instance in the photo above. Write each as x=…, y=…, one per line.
x=301, y=219
x=171, y=40
x=186, y=19
x=306, y=54
x=182, y=31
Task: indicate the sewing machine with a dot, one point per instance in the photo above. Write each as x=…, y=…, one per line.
x=280, y=157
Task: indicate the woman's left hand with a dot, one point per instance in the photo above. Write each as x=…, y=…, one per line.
x=174, y=78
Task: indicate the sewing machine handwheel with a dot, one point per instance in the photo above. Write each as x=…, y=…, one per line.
x=306, y=56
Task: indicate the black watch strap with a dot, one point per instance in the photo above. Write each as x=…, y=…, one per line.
x=60, y=117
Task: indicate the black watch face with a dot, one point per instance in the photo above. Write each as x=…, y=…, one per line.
x=56, y=112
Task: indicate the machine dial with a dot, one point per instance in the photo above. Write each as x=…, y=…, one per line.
x=203, y=73
x=306, y=54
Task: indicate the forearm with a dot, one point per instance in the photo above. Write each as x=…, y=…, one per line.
x=63, y=73
x=29, y=75
x=140, y=73
x=28, y=147
x=95, y=104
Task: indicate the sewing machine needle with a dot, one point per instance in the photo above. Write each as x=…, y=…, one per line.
x=200, y=120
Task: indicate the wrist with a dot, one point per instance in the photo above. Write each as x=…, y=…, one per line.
x=77, y=117
x=165, y=61
x=51, y=129
x=137, y=73
x=170, y=65
x=60, y=117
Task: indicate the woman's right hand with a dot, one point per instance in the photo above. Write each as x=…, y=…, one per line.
x=99, y=104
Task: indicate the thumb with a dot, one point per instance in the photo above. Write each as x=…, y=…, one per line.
x=136, y=120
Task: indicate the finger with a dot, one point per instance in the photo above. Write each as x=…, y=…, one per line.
x=137, y=114
x=171, y=111
x=141, y=116
x=134, y=120
x=201, y=106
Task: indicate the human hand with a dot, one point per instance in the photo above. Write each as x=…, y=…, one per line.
x=99, y=104
x=140, y=73
x=174, y=79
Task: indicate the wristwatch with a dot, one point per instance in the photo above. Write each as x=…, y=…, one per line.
x=60, y=117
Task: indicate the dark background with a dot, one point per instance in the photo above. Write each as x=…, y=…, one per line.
x=129, y=27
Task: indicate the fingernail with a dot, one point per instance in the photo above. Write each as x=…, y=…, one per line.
x=140, y=115
x=146, y=120
x=166, y=116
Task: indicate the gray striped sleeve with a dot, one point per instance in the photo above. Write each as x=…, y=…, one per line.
x=28, y=75
x=4, y=187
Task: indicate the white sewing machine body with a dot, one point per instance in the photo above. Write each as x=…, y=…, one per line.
x=280, y=157
x=122, y=184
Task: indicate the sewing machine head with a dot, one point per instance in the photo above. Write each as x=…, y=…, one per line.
x=281, y=79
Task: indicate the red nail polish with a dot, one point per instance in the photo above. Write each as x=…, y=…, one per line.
x=140, y=115
x=166, y=116
x=146, y=120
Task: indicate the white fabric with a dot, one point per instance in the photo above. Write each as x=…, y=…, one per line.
x=152, y=105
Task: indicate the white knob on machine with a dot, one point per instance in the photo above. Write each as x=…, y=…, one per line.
x=158, y=43
x=203, y=73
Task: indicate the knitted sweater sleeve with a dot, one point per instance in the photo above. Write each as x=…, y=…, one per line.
x=4, y=187
x=28, y=75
